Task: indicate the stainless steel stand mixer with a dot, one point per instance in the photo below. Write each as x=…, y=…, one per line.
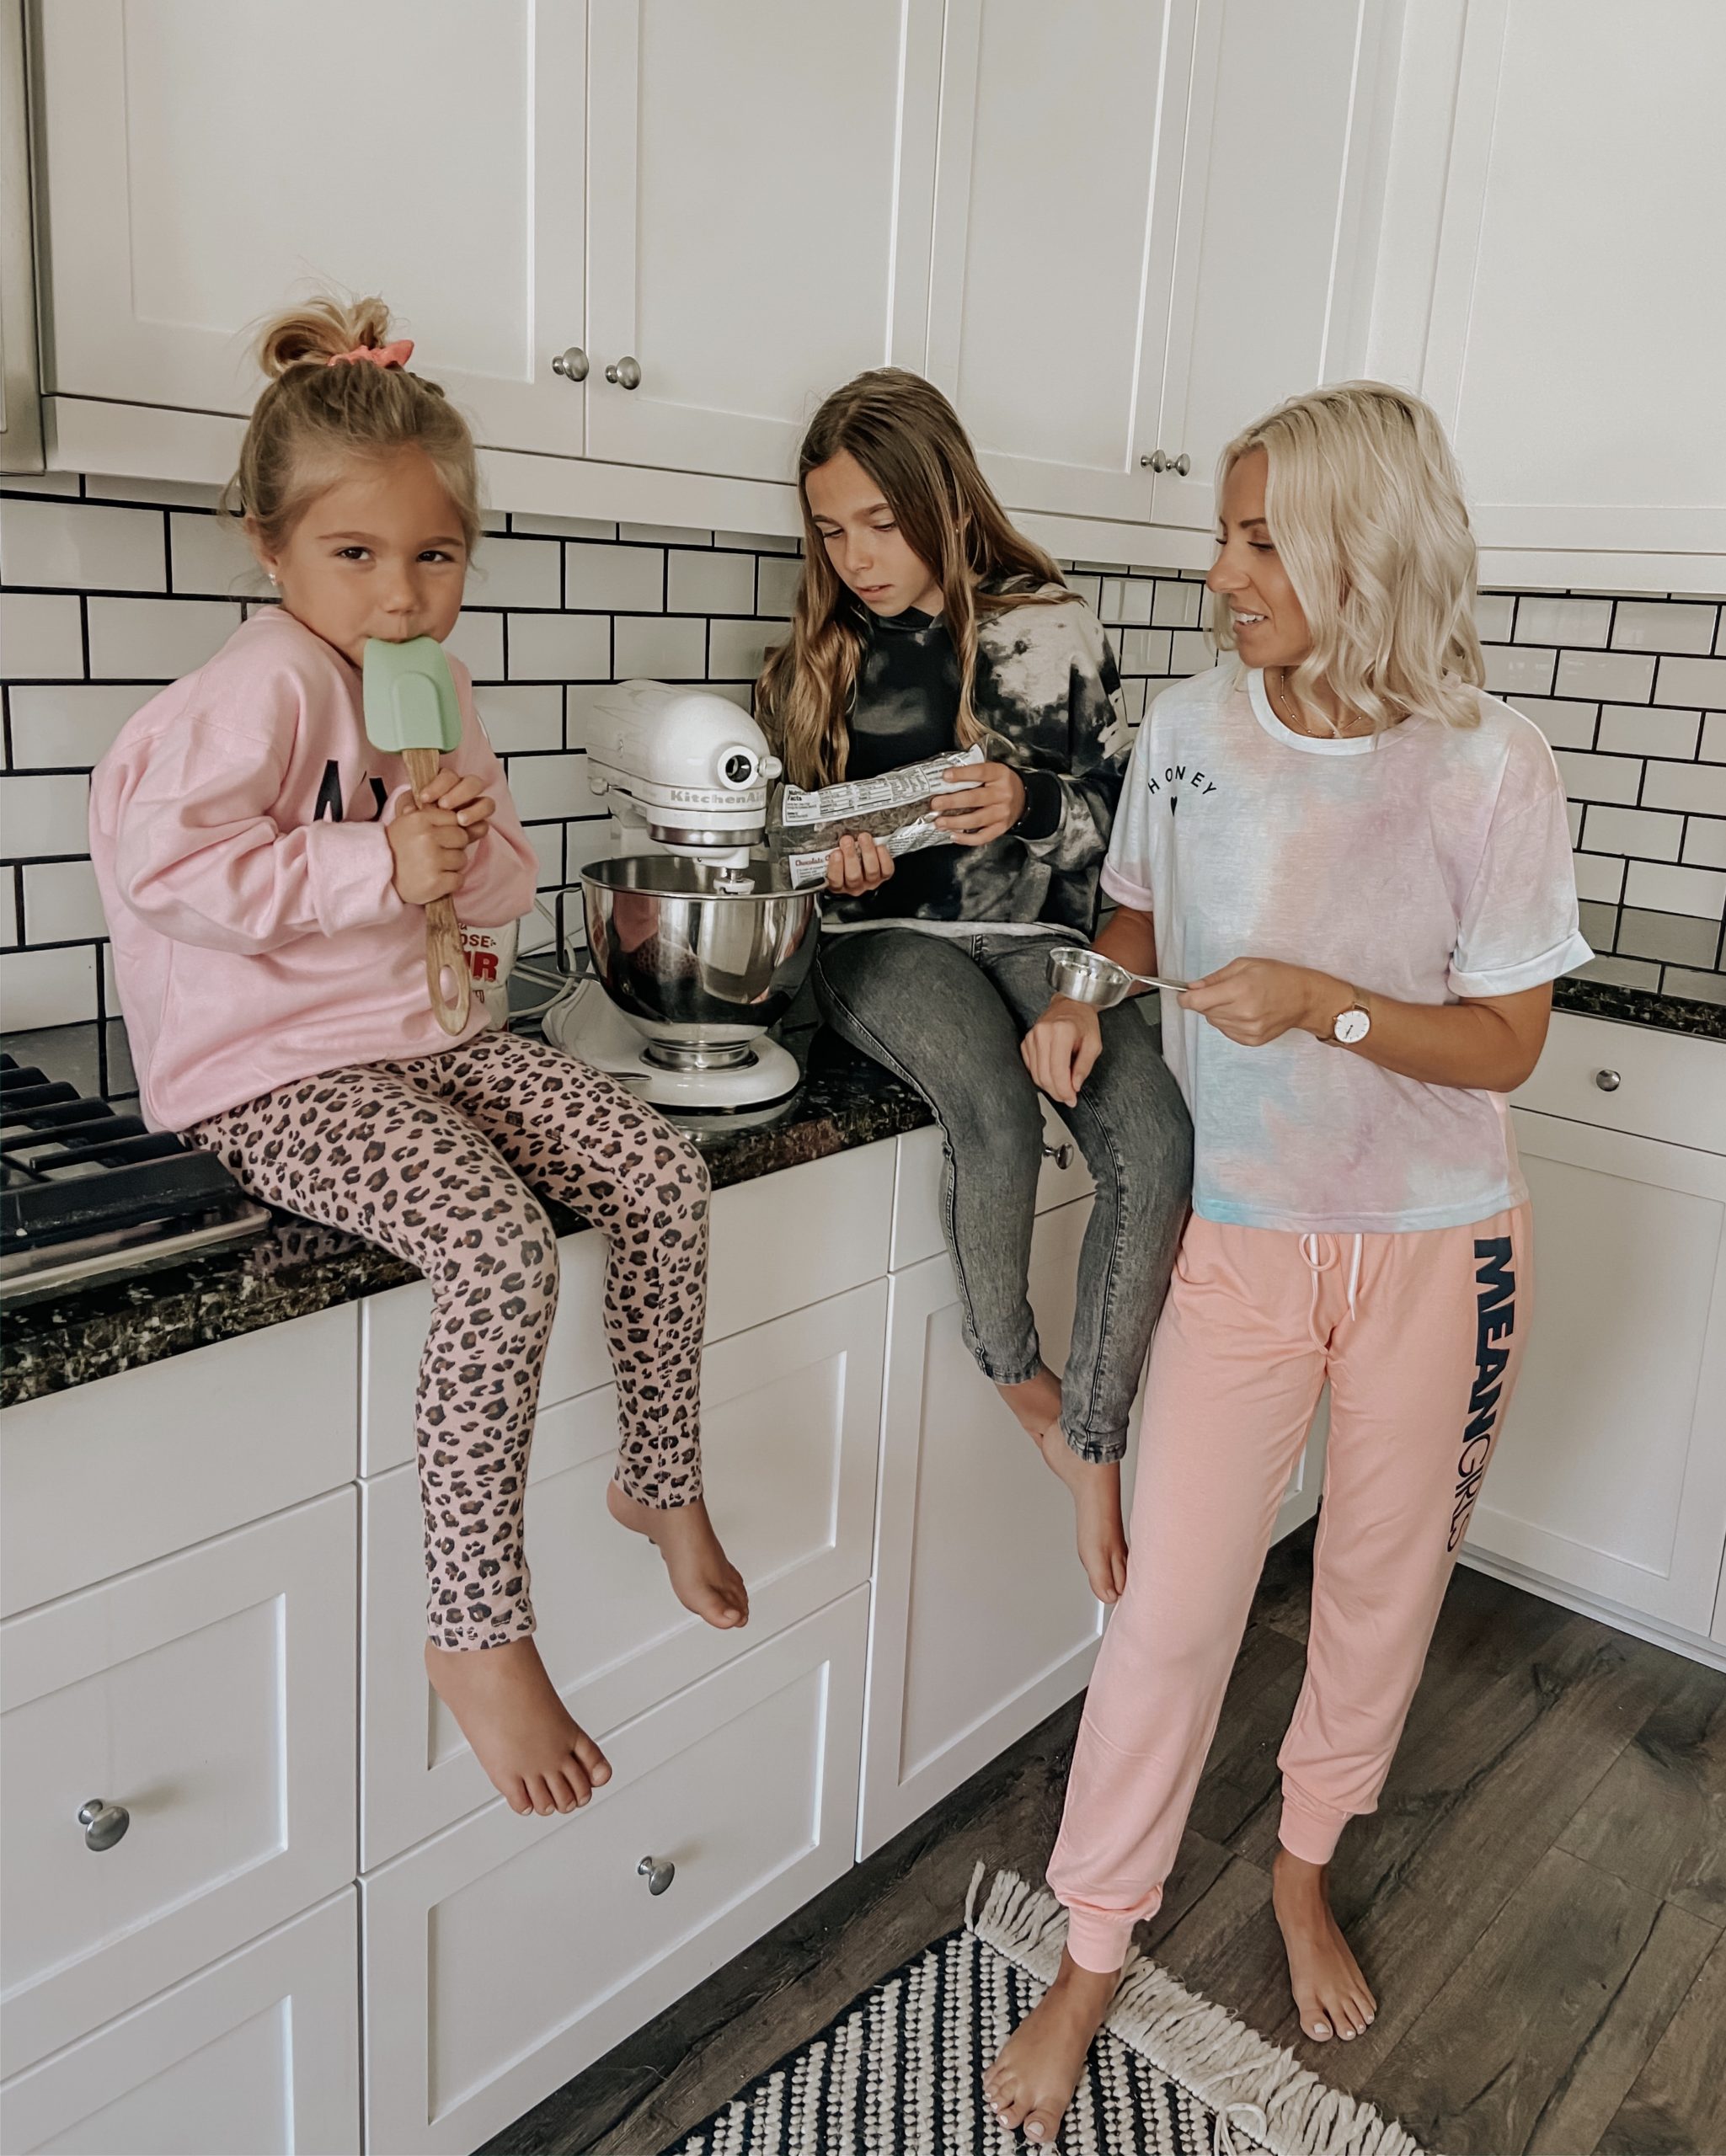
x=696, y=944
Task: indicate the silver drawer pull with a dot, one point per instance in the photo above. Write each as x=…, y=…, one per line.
x=104, y=1823
x=571, y=365
x=1062, y=1156
x=1608, y=1081
x=625, y=373
x=658, y=1875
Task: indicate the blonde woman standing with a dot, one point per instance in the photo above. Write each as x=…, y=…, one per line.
x=1362, y=864
x=925, y=623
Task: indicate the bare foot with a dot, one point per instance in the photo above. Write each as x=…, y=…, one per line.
x=521, y=1731
x=1096, y=1493
x=1330, y=1992
x=1031, y=2081
x=1036, y=1402
x=704, y=1579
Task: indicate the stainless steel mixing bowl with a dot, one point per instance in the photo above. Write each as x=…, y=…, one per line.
x=701, y=958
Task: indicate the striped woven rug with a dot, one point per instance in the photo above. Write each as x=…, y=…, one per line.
x=900, y=2073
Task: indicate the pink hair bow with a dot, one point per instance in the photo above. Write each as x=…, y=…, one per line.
x=381, y=355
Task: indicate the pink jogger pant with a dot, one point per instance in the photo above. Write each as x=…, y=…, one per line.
x=1420, y=1335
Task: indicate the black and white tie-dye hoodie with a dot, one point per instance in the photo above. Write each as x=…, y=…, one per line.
x=1049, y=696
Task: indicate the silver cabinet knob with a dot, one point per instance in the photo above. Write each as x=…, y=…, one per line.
x=626, y=373
x=1062, y=1156
x=658, y=1875
x=104, y=1823
x=571, y=365
x=1156, y=461
x=1608, y=1081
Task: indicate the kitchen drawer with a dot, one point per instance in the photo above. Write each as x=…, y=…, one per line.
x=115, y=1473
x=258, y=2056
x=916, y=1209
x=508, y=1954
x=211, y=1695
x=791, y=1414
x=1669, y=1085
x=779, y=1243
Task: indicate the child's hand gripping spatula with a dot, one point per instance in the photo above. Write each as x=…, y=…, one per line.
x=411, y=712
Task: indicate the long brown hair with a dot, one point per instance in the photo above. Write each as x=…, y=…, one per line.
x=315, y=419
x=908, y=438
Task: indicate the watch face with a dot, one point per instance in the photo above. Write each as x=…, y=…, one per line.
x=1353, y=1025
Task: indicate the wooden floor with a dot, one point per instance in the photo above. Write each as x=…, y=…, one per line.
x=1540, y=1902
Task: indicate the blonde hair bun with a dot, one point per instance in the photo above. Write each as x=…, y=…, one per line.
x=320, y=332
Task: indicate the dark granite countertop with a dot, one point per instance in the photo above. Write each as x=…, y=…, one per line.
x=1641, y=1006
x=295, y=1268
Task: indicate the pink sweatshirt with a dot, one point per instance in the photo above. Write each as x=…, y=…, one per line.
x=236, y=827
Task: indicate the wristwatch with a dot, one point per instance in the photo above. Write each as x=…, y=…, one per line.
x=1350, y=1025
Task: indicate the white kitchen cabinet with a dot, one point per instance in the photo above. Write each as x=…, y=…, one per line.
x=1152, y=223
x=506, y=1954
x=1610, y=1475
x=790, y=1421
x=1561, y=180
x=759, y=201
x=211, y=1697
x=256, y=2056
x=205, y=161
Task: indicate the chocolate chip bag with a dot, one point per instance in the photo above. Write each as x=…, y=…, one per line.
x=897, y=809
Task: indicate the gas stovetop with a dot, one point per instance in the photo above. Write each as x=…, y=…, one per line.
x=86, y=1191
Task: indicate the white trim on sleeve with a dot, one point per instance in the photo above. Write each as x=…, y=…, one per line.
x=1510, y=980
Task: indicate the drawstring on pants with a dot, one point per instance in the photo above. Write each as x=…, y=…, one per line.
x=1320, y=1260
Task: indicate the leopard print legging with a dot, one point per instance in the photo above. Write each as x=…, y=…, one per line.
x=432, y=1158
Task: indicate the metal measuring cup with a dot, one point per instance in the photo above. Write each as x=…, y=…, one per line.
x=1085, y=976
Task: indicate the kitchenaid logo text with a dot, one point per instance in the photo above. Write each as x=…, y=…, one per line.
x=1180, y=778
x=1494, y=1323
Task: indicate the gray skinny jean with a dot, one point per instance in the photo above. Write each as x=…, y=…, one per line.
x=946, y=1014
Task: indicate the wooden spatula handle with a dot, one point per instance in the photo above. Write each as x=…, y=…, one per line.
x=445, y=959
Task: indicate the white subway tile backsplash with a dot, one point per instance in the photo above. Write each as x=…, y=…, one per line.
x=614, y=579
x=1623, y=677
x=1633, y=831
x=1573, y=817
x=1699, y=789
x=664, y=535
x=560, y=648
x=41, y=482
x=735, y=649
x=1153, y=651
x=1600, y=876
x=72, y=724
x=1703, y=988
x=1715, y=737
x=72, y=545
x=1649, y=730
x=1600, y=778
x=478, y=641
x=564, y=527
x=1494, y=612
x=517, y=572
x=159, y=494
x=776, y=579
x=659, y=649
x=1705, y=842
x=50, y=988
x=208, y=556
x=1126, y=601
x=709, y=583
x=1692, y=682
x=1542, y=619
x=156, y=639
x=1511, y=671
x=41, y=636
x=1565, y=724
x=42, y=816
x=61, y=903
x=1190, y=652
x=526, y=716
x=1663, y=889
x=546, y=841
x=758, y=542
x=1622, y=972
x=1175, y=606
x=1663, y=625
x=11, y=929
x=543, y=787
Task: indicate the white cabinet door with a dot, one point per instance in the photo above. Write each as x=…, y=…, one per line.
x=1610, y=1473
x=507, y=1954
x=258, y=2056
x=984, y=1622
x=790, y=1421
x=206, y=161
x=211, y=1697
x=759, y=190
x=1579, y=314
x=1285, y=135
x=1059, y=187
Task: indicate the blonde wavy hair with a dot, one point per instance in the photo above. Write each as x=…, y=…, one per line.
x=315, y=420
x=1365, y=503
x=909, y=440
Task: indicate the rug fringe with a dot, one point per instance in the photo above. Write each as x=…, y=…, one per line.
x=1221, y=2060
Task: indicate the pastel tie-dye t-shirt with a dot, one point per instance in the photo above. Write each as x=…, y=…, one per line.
x=1427, y=863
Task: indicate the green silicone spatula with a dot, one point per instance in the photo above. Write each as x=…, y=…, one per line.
x=411, y=712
